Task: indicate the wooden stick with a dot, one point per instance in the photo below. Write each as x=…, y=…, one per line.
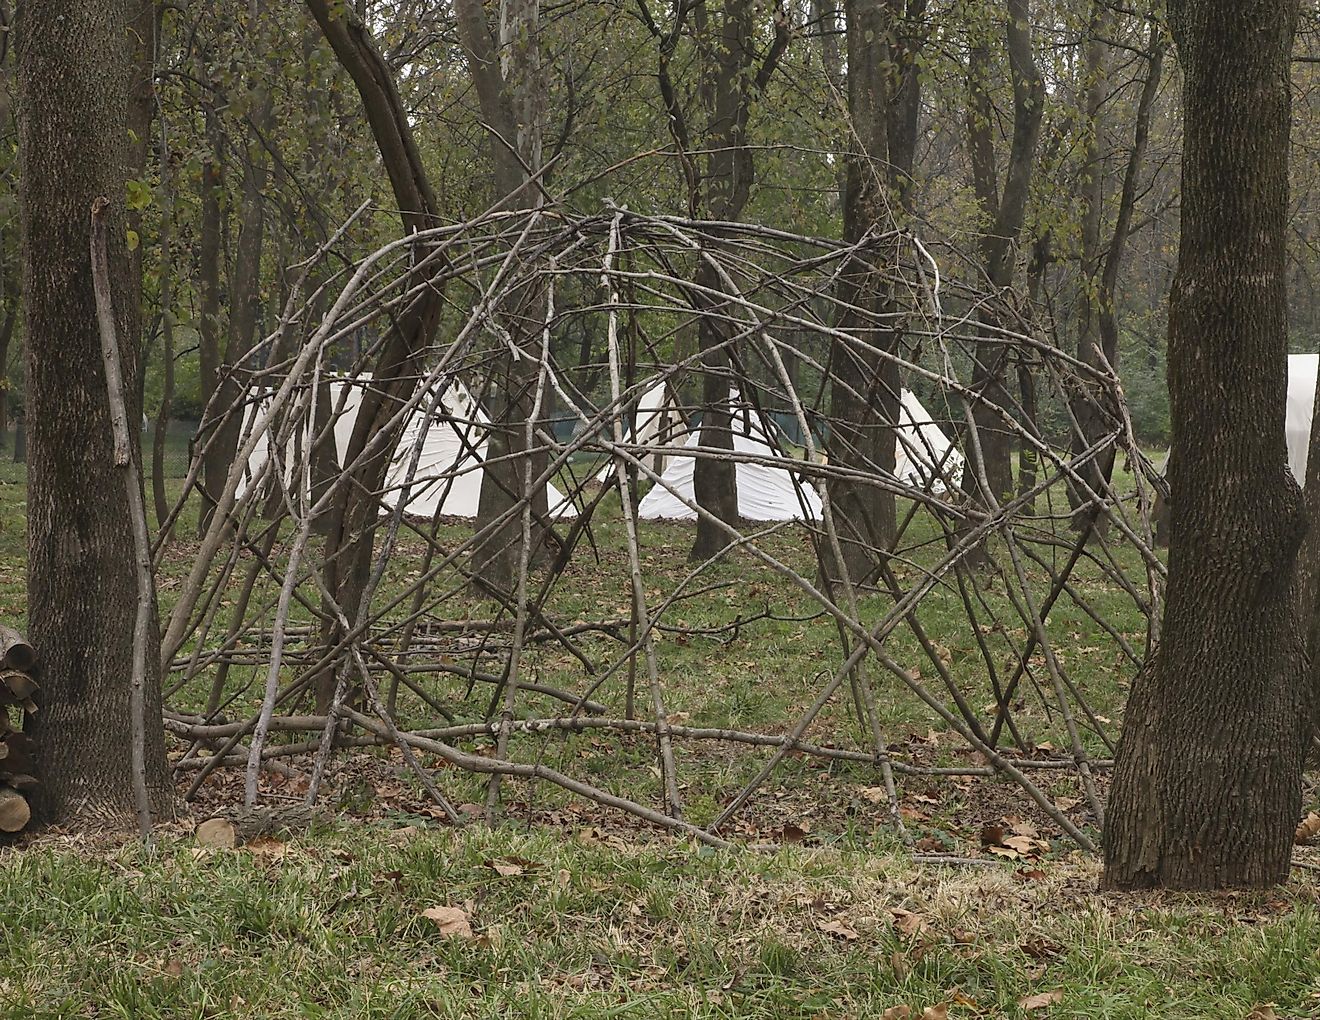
x=137, y=512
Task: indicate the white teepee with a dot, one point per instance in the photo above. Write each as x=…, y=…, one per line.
x=446, y=481
x=1302, y=370
x=766, y=492
x=659, y=422
x=257, y=405
x=923, y=455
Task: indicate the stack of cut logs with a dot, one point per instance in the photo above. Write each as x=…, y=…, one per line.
x=18, y=660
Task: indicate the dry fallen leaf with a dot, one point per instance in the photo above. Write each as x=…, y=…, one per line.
x=267, y=846
x=506, y=868
x=906, y=921
x=897, y=1013
x=1307, y=828
x=452, y=921
x=1041, y=949
x=217, y=832
x=838, y=928
x=1040, y=1000
x=1265, y=1011
x=940, y=1012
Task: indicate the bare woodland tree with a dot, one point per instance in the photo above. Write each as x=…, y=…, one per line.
x=351, y=535
x=1206, y=789
x=884, y=87
x=1003, y=210
x=1098, y=334
x=73, y=75
x=718, y=173
x=506, y=69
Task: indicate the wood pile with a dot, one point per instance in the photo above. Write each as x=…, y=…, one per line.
x=18, y=661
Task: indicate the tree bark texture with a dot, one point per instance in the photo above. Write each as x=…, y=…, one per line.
x=1207, y=782
x=244, y=291
x=73, y=72
x=161, y=432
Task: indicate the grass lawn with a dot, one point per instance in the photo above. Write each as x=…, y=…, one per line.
x=565, y=909
x=548, y=924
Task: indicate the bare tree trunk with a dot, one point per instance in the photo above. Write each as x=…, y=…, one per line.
x=141, y=34
x=1097, y=342
x=1028, y=456
x=159, y=496
x=244, y=291
x=883, y=102
x=214, y=468
x=6, y=338
x=1089, y=417
x=1207, y=781
x=1003, y=214
x=507, y=72
x=73, y=73
x=351, y=530
x=732, y=84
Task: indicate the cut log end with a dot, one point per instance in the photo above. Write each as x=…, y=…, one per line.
x=15, y=652
x=14, y=811
x=20, y=685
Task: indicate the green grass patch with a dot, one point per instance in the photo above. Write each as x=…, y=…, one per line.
x=332, y=925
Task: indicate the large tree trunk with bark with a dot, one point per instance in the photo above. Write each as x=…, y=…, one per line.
x=6, y=337
x=73, y=68
x=731, y=83
x=1207, y=783
x=161, y=432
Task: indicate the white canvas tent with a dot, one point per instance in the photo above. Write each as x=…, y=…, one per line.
x=659, y=422
x=923, y=456
x=1302, y=370
x=446, y=481
x=766, y=492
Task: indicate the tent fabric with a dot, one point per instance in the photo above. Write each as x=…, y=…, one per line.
x=1302, y=371
x=1299, y=406
x=765, y=492
x=447, y=479
x=256, y=462
x=923, y=456
x=659, y=422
